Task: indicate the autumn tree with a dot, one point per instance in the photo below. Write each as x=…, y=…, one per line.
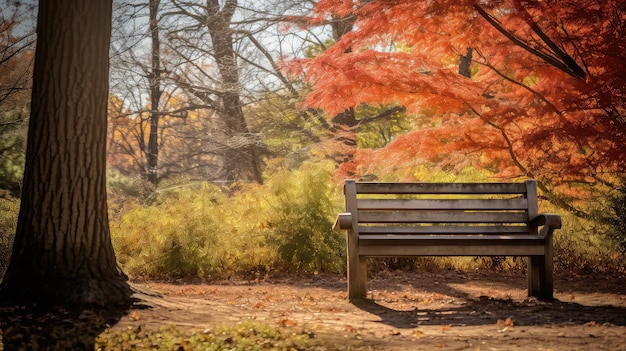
x=62, y=252
x=542, y=99
x=139, y=85
x=357, y=126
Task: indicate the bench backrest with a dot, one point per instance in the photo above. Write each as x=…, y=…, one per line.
x=442, y=208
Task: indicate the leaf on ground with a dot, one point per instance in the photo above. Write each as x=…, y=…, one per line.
x=286, y=322
x=506, y=322
x=349, y=329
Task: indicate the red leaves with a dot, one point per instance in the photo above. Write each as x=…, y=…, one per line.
x=522, y=111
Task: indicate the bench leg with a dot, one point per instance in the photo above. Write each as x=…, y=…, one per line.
x=534, y=273
x=357, y=269
x=357, y=278
x=547, y=284
x=541, y=277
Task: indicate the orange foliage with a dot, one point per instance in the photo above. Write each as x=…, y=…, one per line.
x=527, y=111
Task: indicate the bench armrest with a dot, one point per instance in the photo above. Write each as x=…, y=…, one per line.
x=343, y=221
x=549, y=221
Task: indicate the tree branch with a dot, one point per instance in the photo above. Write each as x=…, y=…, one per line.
x=574, y=71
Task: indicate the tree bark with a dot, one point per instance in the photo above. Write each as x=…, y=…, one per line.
x=241, y=161
x=152, y=155
x=62, y=252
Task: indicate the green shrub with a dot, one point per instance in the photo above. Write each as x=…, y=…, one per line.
x=617, y=230
x=187, y=233
x=9, y=209
x=201, y=231
x=584, y=245
x=303, y=206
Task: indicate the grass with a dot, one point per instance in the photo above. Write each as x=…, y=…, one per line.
x=246, y=336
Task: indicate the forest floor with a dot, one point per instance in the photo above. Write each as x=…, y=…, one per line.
x=445, y=310
x=407, y=311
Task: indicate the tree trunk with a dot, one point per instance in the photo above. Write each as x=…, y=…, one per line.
x=344, y=123
x=465, y=64
x=62, y=252
x=155, y=95
x=240, y=160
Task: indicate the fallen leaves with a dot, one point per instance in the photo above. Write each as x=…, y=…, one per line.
x=349, y=329
x=286, y=322
x=506, y=322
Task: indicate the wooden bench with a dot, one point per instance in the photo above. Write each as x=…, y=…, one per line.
x=447, y=219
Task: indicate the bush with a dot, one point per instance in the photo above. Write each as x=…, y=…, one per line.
x=189, y=232
x=303, y=206
x=9, y=209
x=201, y=231
x=584, y=246
x=617, y=231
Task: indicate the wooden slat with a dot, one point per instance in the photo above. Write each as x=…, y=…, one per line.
x=443, y=229
x=443, y=204
x=451, y=239
x=441, y=217
x=447, y=245
x=446, y=250
x=440, y=188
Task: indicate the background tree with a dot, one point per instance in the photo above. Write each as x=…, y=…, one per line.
x=16, y=55
x=217, y=84
x=62, y=252
x=140, y=91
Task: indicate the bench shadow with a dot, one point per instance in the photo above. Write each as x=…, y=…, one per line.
x=463, y=308
x=488, y=311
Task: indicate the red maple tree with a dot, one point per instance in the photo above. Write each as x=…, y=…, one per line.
x=541, y=94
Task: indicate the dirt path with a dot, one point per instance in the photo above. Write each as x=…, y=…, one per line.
x=408, y=311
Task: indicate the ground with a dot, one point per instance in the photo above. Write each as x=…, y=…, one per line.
x=446, y=310
x=404, y=311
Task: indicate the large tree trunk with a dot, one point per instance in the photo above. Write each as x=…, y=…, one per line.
x=62, y=252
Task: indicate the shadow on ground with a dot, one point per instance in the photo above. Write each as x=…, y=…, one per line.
x=54, y=328
x=488, y=311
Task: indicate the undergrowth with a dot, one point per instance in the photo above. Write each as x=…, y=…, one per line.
x=9, y=209
x=204, y=231
x=243, y=336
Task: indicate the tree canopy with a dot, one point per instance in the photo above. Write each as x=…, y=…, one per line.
x=543, y=96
